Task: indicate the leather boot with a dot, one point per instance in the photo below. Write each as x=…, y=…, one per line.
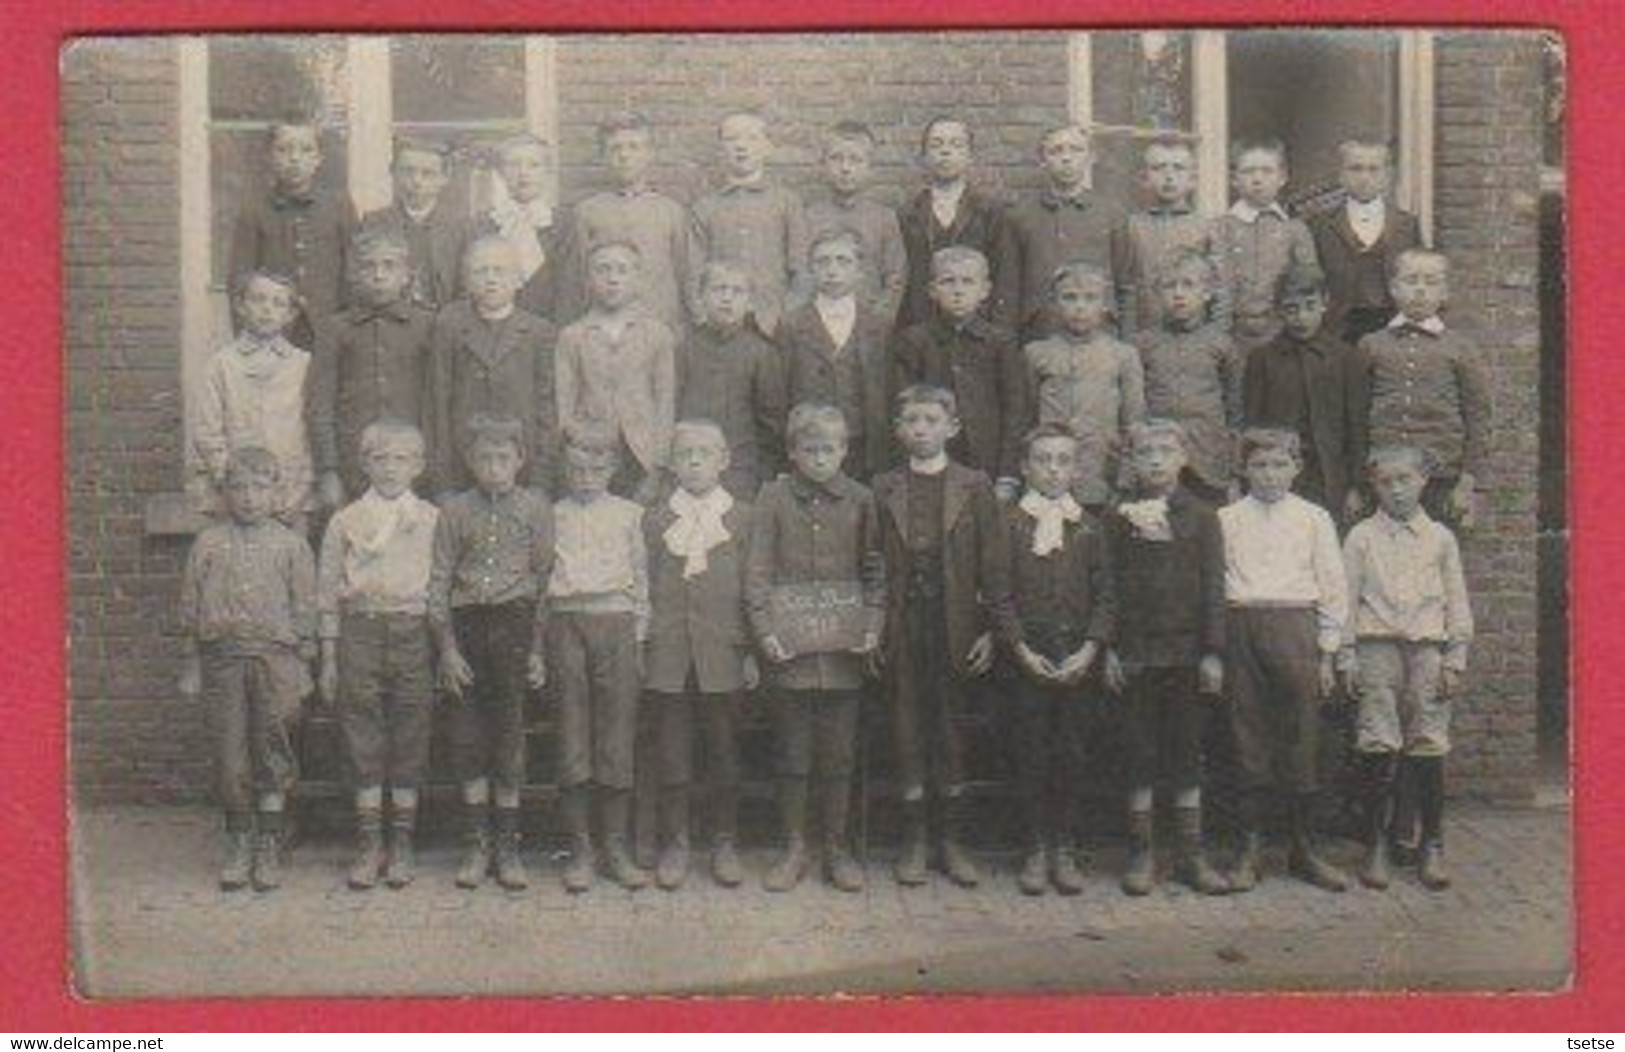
x=510, y=862
x=616, y=818
x=268, y=852
x=840, y=868
x=1244, y=872
x=476, y=846
x=369, y=849
x=726, y=868
x=1140, y=876
x=956, y=860
x=1378, y=772
x=1191, y=866
x=403, y=863
x=1430, y=802
x=578, y=872
x=791, y=865
x=1304, y=859
x=238, y=867
x=910, y=868
x=672, y=869
x=1034, y=876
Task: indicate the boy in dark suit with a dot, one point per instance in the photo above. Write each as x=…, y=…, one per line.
x=436, y=233
x=1358, y=241
x=949, y=584
x=1061, y=592
x=537, y=230
x=1168, y=560
x=698, y=660
x=947, y=212
x=1304, y=380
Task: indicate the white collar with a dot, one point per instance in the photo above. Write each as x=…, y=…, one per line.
x=1050, y=516
x=697, y=528
x=718, y=501
x=502, y=315
x=838, y=307
x=950, y=194
x=1247, y=213
x=1433, y=326
x=278, y=345
x=1375, y=208
x=1415, y=524
x=416, y=216
x=932, y=466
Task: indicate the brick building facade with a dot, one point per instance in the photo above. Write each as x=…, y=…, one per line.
x=144, y=137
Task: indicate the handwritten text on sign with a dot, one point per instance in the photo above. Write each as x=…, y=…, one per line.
x=819, y=617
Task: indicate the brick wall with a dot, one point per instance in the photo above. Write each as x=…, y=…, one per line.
x=1486, y=203
x=132, y=736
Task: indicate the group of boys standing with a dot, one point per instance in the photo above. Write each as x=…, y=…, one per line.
x=646, y=433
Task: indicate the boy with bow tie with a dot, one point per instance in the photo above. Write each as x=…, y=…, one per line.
x=1061, y=589
x=1168, y=567
x=698, y=660
x=538, y=232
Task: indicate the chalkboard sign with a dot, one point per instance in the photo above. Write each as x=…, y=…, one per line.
x=820, y=617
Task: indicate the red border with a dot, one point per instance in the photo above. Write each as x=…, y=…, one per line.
x=33, y=950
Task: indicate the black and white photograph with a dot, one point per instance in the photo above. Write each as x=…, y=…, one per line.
x=841, y=513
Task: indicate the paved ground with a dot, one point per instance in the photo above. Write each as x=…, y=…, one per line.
x=151, y=923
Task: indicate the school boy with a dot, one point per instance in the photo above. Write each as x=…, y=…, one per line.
x=1288, y=603
x=1193, y=375
x=834, y=350
x=538, y=232
x=248, y=615
x=957, y=348
x=1062, y=597
x=1168, y=228
x=730, y=374
x=617, y=365
x=253, y=394
x=1404, y=655
x=699, y=660
x=949, y=588
x=635, y=212
x=815, y=527
x=493, y=554
x=1065, y=223
x=598, y=598
x=436, y=232
x=370, y=363
x=947, y=211
x=490, y=356
x=1425, y=386
x=1256, y=240
x=1358, y=241
x=1305, y=380
x=1167, y=661
x=752, y=221
x=300, y=228
x=848, y=156
x=376, y=646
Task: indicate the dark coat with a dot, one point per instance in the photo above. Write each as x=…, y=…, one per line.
x=1337, y=403
x=976, y=566
x=697, y=622
x=1170, y=594
x=975, y=225
x=983, y=366
x=810, y=373
x=1063, y=598
x=442, y=238
x=1357, y=275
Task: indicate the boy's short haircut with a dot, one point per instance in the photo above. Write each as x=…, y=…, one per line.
x=850, y=131
x=953, y=255
x=927, y=394
x=743, y=114
x=814, y=419
x=1186, y=259
x=593, y=436
x=1418, y=457
x=405, y=144
x=599, y=248
x=255, y=462
x=1275, y=439
x=623, y=121
x=1040, y=432
x=1060, y=129
x=709, y=272
x=293, y=120
x=1414, y=254
x=518, y=141
x=835, y=234
x=1300, y=279
x=1358, y=143
x=383, y=434
x=486, y=242
x=493, y=429
x=946, y=118
x=239, y=286
x=1242, y=147
x=1077, y=270
x=698, y=426
x=1149, y=430
x=1168, y=142
x=379, y=237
